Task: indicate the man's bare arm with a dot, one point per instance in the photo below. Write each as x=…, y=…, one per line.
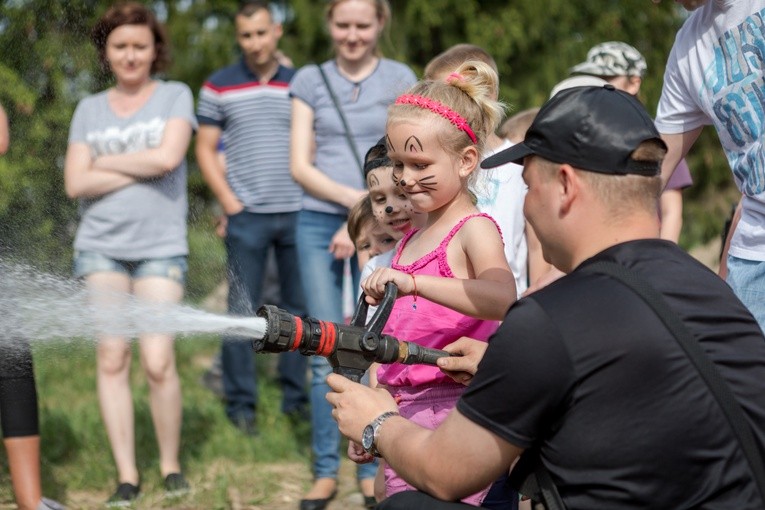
x=457, y=459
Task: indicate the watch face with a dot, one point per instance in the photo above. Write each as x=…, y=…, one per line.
x=368, y=438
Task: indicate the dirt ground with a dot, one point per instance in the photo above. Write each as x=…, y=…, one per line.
x=294, y=478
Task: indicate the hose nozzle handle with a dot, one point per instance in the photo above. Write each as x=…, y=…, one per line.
x=411, y=353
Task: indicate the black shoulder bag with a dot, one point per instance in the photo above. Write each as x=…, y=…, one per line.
x=530, y=476
x=346, y=127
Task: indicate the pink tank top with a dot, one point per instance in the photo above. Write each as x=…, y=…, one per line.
x=429, y=324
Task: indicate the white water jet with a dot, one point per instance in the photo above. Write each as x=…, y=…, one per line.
x=39, y=306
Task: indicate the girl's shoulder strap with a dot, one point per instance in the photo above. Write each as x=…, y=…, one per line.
x=462, y=222
x=402, y=243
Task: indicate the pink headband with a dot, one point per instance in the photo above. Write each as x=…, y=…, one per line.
x=439, y=109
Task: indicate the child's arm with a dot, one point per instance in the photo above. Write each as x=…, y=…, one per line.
x=487, y=295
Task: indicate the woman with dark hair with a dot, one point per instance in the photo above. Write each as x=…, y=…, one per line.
x=126, y=164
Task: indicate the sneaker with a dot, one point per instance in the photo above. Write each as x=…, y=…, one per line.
x=176, y=485
x=124, y=496
x=49, y=504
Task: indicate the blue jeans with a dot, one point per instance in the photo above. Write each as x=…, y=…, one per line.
x=249, y=237
x=323, y=284
x=747, y=279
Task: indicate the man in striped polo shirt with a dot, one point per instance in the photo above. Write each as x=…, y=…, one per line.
x=246, y=105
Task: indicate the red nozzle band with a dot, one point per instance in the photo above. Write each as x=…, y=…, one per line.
x=298, y=334
x=328, y=338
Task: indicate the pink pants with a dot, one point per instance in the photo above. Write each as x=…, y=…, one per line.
x=426, y=406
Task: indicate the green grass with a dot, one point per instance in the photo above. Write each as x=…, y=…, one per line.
x=76, y=459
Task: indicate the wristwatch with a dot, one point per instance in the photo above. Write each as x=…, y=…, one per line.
x=369, y=436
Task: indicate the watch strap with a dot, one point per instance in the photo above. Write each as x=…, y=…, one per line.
x=376, y=424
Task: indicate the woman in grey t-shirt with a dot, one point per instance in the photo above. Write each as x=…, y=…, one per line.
x=364, y=85
x=126, y=164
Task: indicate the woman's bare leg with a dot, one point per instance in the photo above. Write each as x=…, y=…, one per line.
x=158, y=360
x=113, y=376
x=24, y=462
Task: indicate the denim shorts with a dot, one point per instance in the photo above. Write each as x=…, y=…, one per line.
x=747, y=279
x=89, y=262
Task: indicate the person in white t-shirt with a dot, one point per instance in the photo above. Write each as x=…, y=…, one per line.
x=714, y=75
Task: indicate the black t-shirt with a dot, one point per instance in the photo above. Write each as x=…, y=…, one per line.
x=587, y=370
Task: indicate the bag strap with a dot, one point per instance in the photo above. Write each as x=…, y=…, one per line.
x=347, y=128
x=700, y=360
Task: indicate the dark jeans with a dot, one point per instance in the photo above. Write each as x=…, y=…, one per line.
x=249, y=237
x=323, y=278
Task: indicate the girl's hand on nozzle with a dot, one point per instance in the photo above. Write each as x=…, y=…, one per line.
x=357, y=454
x=374, y=285
x=466, y=353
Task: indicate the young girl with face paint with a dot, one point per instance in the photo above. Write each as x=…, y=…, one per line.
x=452, y=276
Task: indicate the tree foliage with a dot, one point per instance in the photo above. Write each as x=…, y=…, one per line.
x=48, y=64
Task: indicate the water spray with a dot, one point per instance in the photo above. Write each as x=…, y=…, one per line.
x=38, y=306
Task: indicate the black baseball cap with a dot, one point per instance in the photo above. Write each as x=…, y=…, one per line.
x=591, y=128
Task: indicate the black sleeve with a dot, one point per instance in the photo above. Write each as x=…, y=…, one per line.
x=524, y=378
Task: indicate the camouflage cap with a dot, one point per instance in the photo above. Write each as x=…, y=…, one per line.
x=612, y=58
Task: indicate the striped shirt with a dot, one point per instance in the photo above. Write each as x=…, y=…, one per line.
x=255, y=120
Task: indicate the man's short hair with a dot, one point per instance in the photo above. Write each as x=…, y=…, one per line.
x=249, y=7
x=622, y=195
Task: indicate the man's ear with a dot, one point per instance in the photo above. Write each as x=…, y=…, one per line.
x=468, y=162
x=569, y=187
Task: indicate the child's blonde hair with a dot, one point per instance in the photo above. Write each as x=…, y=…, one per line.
x=453, y=57
x=469, y=92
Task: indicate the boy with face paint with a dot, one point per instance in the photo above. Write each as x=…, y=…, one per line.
x=369, y=238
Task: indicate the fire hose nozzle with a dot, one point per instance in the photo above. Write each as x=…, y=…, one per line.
x=280, y=330
x=350, y=348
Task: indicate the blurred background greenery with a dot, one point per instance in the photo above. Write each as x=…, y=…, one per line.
x=48, y=64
